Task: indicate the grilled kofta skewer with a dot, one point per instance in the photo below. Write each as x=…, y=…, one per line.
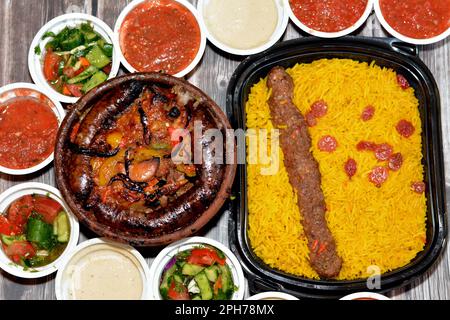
x=303, y=172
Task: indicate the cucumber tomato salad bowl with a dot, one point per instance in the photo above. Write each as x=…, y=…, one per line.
x=197, y=268
x=36, y=230
x=71, y=55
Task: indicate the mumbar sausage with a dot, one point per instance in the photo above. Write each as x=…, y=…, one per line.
x=303, y=172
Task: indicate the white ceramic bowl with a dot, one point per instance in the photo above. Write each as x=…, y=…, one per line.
x=129, y=8
x=163, y=258
x=55, y=25
x=283, y=19
x=63, y=282
x=14, y=193
x=402, y=37
x=272, y=295
x=365, y=296
x=337, y=34
x=30, y=90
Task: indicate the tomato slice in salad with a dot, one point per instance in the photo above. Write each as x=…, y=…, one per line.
x=47, y=207
x=205, y=257
x=51, y=64
x=20, y=250
x=20, y=211
x=178, y=291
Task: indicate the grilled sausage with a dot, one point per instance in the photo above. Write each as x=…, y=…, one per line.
x=303, y=172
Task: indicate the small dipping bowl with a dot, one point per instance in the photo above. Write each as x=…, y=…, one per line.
x=18, y=191
x=164, y=257
x=100, y=269
x=22, y=89
x=336, y=34
x=35, y=64
x=402, y=37
x=283, y=19
x=365, y=296
x=130, y=7
x=272, y=295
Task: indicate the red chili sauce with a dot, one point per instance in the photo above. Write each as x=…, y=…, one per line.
x=160, y=36
x=418, y=19
x=328, y=15
x=27, y=132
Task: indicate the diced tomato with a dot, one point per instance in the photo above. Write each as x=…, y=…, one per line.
x=177, y=291
x=47, y=207
x=205, y=257
x=7, y=228
x=74, y=89
x=20, y=249
x=51, y=64
x=20, y=210
x=84, y=62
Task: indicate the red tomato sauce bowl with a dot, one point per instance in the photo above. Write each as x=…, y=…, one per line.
x=29, y=122
x=162, y=36
x=415, y=21
x=329, y=18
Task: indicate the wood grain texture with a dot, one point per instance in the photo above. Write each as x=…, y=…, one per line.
x=21, y=19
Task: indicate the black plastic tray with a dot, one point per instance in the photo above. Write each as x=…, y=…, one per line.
x=386, y=52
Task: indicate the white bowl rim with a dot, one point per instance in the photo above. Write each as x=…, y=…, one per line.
x=18, y=271
x=96, y=241
x=272, y=294
x=58, y=111
x=276, y=36
x=336, y=34
x=370, y=295
x=157, y=268
x=33, y=69
x=130, y=6
x=404, y=38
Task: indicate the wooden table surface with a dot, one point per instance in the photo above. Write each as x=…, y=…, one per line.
x=21, y=19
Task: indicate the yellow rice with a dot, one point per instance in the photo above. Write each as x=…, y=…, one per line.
x=383, y=226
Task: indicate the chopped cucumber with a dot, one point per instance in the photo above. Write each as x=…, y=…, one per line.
x=191, y=269
x=178, y=278
x=89, y=72
x=63, y=227
x=197, y=297
x=108, y=49
x=202, y=281
x=94, y=81
x=212, y=273
x=97, y=57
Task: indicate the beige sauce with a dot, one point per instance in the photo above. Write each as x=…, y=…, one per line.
x=104, y=272
x=241, y=24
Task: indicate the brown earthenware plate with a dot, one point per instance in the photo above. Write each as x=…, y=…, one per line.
x=130, y=209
